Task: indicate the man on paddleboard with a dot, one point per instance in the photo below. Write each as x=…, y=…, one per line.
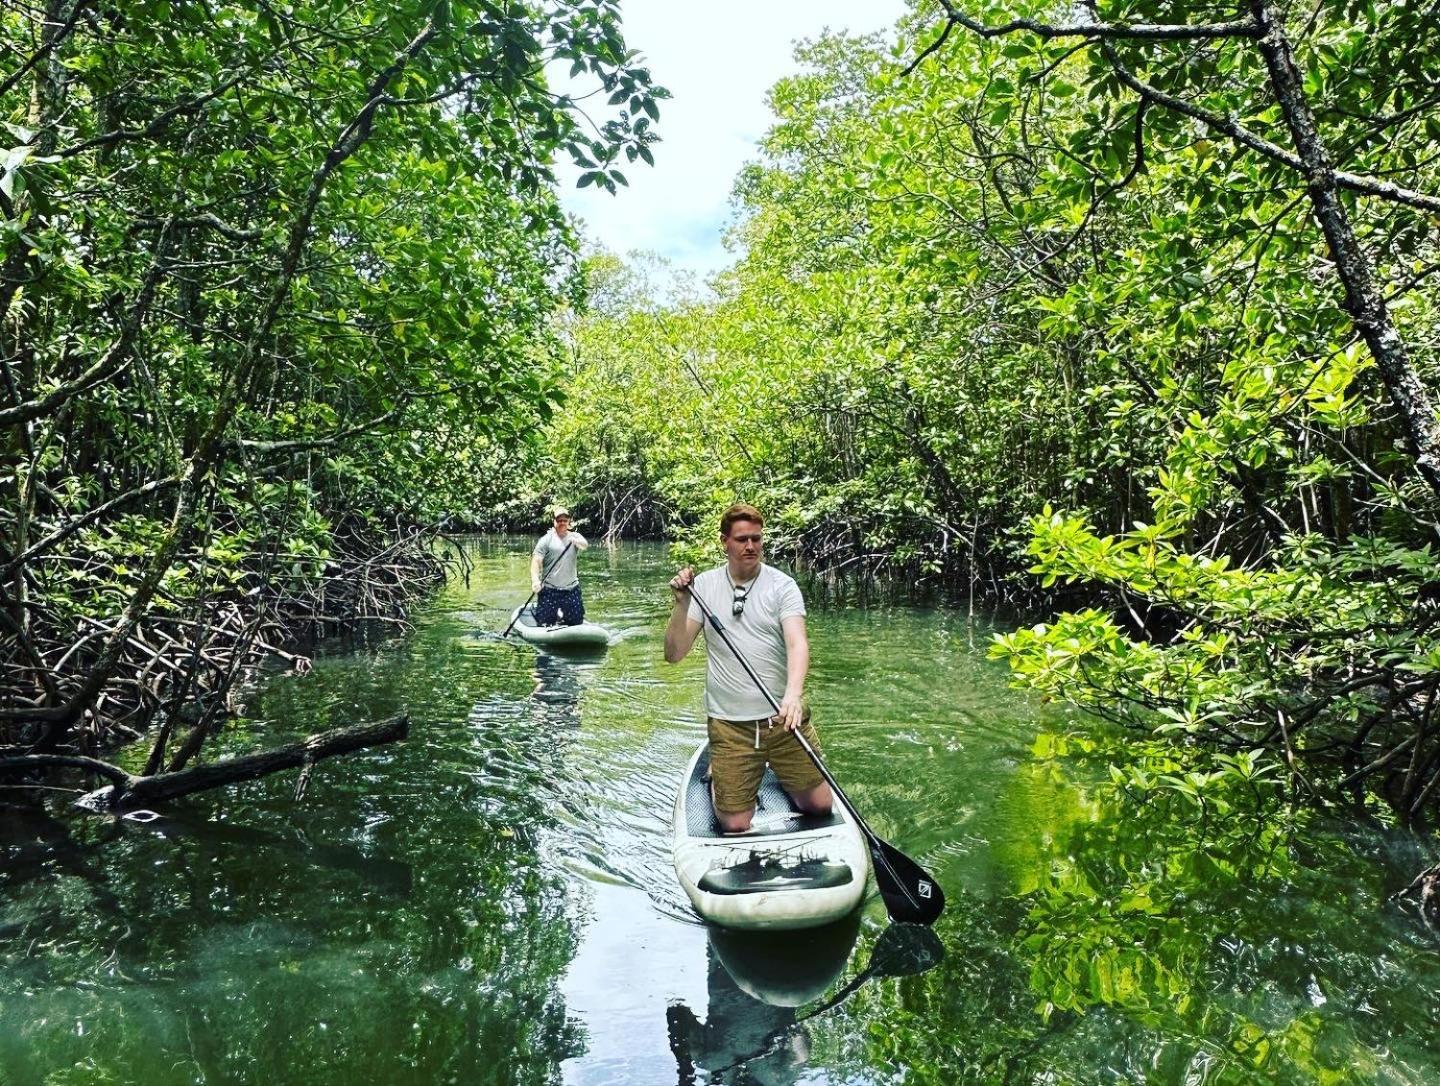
x=764, y=615
x=553, y=574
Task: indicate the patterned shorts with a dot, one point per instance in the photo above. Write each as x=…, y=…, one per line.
x=556, y=601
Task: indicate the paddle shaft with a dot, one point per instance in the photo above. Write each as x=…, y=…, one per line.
x=543, y=575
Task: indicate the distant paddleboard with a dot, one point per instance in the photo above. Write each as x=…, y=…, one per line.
x=584, y=635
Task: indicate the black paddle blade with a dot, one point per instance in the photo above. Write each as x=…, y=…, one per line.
x=911, y=896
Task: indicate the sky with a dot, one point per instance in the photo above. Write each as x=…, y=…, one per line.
x=718, y=60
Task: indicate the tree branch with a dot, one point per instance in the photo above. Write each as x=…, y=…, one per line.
x=158, y=125
x=73, y=761
x=1238, y=28
x=71, y=527
x=1106, y=33
x=302, y=444
x=131, y=792
x=113, y=360
x=1368, y=186
x=40, y=54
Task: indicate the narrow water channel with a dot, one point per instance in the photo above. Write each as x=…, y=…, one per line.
x=493, y=901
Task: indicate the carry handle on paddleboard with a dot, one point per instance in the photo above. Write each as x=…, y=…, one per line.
x=516, y=617
x=911, y=896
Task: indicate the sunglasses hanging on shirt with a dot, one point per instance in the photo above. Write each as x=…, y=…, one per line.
x=739, y=593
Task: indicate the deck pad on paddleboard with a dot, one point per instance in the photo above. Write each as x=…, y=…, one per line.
x=773, y=811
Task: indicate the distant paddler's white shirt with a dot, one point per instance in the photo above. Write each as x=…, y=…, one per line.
x=562, y=571
x=772, y=598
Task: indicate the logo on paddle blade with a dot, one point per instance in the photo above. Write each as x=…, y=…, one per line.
x=924, y=889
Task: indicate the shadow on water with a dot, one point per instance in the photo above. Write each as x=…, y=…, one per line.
x=35, y=847
x=759, y=985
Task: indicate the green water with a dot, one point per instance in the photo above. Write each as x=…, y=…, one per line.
x=493, y=902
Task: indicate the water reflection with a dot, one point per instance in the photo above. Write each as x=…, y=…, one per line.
x=558, y=686
x=35, y=847
x=755, y=981
x=285, y=844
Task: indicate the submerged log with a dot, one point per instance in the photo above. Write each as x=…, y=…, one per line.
x=133, y=792
x=1425, y=889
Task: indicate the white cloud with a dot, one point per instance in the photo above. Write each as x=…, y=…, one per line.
x=718, y=60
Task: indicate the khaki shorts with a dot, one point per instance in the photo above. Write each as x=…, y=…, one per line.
x=736, y=767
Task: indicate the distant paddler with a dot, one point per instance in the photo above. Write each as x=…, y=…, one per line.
x=555, y=575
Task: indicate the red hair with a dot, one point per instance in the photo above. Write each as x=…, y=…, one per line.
x=739, y=511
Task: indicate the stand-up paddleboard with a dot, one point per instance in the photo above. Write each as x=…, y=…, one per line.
x=585, y=635
x=791, y=870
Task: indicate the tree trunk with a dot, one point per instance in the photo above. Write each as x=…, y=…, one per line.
x=1363, y=300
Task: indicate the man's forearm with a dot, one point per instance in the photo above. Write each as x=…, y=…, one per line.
x=797, y=667
x=675, y=647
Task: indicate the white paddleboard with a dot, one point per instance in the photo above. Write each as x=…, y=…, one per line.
x=790, y=871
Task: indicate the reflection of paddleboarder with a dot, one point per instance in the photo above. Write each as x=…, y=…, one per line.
x=778, y=977
x=557, y=683
x=737, y=1029
x=756, y=981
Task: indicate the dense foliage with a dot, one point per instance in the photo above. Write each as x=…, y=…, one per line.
x=1135, y=304
x=274, y=279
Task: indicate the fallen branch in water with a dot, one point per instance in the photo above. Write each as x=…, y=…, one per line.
x=129, y=791
x=1425, y=888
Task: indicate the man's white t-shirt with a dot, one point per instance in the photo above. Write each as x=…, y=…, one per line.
x=730, y=694
x=562, y=572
